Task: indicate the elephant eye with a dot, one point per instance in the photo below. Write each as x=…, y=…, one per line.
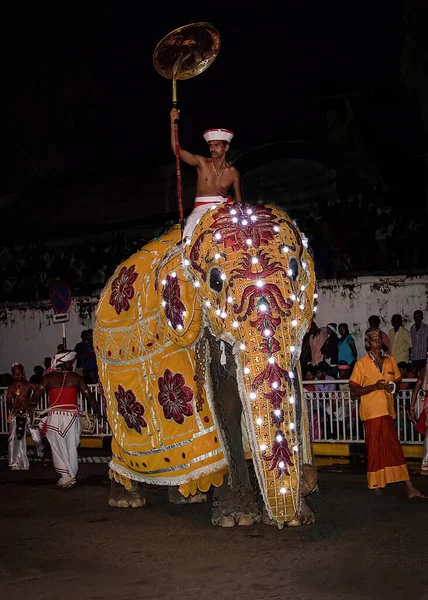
x=216, y=282
x=294, y=268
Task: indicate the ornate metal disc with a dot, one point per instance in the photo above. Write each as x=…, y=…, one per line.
x=187, y=51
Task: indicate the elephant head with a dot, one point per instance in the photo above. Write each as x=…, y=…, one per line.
x=253, y=280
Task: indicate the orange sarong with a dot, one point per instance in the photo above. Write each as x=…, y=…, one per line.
x=385, y=458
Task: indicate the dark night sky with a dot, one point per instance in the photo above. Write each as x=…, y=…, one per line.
x=274, y=60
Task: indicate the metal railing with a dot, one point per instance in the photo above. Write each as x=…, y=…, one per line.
x=102, y=428
x=333, y=415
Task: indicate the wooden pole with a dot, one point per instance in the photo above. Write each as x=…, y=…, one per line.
x=177, y=160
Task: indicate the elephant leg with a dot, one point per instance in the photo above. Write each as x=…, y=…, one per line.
x=175, y=497
x=234, y=502
x=123, y=498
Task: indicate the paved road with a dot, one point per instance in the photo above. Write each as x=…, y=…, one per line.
x=60, y=545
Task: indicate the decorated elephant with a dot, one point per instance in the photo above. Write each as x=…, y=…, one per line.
x=198, y=347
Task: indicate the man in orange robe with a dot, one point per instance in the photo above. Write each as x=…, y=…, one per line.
x=374, y=380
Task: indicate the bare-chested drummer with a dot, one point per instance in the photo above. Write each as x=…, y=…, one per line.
x=20, y=404
x=216, y=178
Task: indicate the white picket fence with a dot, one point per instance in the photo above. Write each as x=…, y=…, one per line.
x=333, y=416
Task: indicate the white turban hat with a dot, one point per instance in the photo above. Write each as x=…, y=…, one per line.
x=61, y=358
x=218, y=134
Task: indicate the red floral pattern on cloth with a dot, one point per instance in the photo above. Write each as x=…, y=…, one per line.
x=255, y=222
x=280, y=459
x=273, y=374
x=174, y=307
x=175, y=397
x=130, y=409
x=245, y=268
x=122, y=289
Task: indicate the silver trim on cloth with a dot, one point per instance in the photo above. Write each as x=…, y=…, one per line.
x=168, y=481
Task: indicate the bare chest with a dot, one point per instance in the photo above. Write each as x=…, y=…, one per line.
x=222, y=178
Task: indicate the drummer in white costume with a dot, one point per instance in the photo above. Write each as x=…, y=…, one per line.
x=216, y=178
x=62, y=424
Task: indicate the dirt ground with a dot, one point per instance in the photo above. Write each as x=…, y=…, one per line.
x=69, y=544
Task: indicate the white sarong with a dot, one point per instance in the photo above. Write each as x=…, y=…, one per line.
x=63, y=433
x=17, y=448
x=205, y=203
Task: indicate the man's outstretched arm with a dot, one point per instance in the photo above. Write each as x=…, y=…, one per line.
x=187, y=157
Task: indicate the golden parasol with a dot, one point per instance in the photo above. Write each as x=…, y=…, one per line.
x=182, y=54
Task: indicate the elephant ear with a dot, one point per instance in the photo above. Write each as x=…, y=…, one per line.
x=179, y=305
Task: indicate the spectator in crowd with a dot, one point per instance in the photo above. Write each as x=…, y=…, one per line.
x=38, y=375
x=47, y=364
x=329, y=403
x=419, y=335
x=79, y=352
x=374, y=323
x=329, y=349
x=407, y=372
x=6, y=380
x=321, y=375
x=90, y=370
x=347, y=410
x=347, y=350
x=315, y=421
x=401, y=340
x=309, y=376
x=317, y=338
x=344, y=372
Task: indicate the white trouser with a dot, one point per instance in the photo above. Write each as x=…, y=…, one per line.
x=195, y=216
x=63, y=433
x=17, y=448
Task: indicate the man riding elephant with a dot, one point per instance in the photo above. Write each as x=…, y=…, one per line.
x=216, y=178
x=198, y=344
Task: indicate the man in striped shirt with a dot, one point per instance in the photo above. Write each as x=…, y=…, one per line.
x=419, y=333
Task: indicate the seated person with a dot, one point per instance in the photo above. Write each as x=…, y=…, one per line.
x=215, y=176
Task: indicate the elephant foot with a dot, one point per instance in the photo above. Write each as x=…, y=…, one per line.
x=128, y=503
x=305, y=516
x=122, y=498
x=246, y=520
x=241, y=511
x=266, y=520
x=240, y=519
x=226, y=521
x=175, y=497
